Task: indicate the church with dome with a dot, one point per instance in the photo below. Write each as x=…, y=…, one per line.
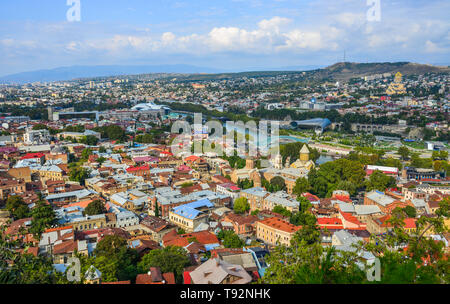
x=289, y=172
x=304, y=161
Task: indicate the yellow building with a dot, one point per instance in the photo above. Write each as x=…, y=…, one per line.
x=397, y=87
x=303, y=162
x=275, y=231
x=249, y=172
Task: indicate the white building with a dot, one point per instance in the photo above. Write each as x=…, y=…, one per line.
x=36, y=137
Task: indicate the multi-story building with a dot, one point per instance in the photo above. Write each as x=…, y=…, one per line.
x=229, y=189
x=36, y=137
x=384, y=202
x=190, y=216
x=11, y=187
x=275, y=230
x=255, y=197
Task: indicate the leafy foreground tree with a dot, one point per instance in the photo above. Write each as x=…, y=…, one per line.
x=424, y=259
x=114, y=259
x=306, y=261
x=301, y=186
x=170, y=259
x=16, y=268
x=43, y=217
x=405, y=258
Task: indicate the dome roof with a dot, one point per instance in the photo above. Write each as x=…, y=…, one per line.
x=58, y=149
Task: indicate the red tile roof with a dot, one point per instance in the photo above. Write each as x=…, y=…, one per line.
x=280, y=224
x=134, y=169
x=191, y=158
x=203, y=237
x=167, y=278
x=33, y=155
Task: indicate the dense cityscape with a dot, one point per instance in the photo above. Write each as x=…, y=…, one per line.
x=90, y=177
x=231, y=151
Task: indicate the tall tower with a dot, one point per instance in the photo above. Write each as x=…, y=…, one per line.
x=304, y=153
x=250, y=163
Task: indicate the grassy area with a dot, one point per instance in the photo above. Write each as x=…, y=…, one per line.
x=415, y=145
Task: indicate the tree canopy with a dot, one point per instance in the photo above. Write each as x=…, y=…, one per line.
x=17, y=207
x=230, y=239
x=170, y=259
x=43, y=217
x=325, y=180
x=379, y=181
x=241, y=205
x=95, y=207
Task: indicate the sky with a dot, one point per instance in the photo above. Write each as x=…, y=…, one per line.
x=221, y=34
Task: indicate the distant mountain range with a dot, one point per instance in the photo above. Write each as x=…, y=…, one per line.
x=74, y=72
x=339, y=71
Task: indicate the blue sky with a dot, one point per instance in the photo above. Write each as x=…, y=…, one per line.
x=224, y=34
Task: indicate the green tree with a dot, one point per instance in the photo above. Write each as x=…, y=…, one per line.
x=230, y=239
x=245, y=184
x=26, y=268
x=115, y=259
x=241, y=205
x=404, y=152
x=156, y=209
x=95, y=207
x=40, y=127
x=325, y=180
x=306, y=261
x=410, y=211
x=89, y=140
x=170, y=259
x=256, y=212
x=301, y=186
x=17, y=207
x=85, y=154
x=113, y=132
x=278, y=183
x=187, y=185
x=281, y=210
x=379, y=181
x=101, y=160
x=43, y=217
x=79, y=174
